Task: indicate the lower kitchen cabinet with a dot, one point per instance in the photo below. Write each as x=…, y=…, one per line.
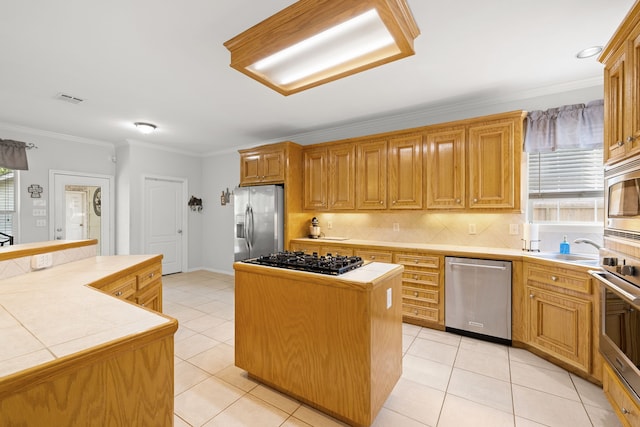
x=374, y=255
x=623, y=404
x=422, y=289
x=560, y=316
x=322, y=249
x=142, y=286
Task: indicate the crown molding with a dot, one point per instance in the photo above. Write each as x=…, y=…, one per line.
x=56, y=135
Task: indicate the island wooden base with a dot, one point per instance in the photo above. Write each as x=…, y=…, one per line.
x=326, y=341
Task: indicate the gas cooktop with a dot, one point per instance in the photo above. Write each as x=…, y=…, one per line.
x=325, y=264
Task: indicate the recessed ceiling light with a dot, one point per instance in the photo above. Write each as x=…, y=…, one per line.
x=145, y=127
x=589, y=52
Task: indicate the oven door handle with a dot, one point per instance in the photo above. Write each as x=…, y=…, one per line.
x=628, y=296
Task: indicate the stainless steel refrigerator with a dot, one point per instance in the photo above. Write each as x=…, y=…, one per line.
x=259, y=220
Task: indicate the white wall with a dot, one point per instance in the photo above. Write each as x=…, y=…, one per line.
x=219, y=172
x=143, y=160
x=58, y=152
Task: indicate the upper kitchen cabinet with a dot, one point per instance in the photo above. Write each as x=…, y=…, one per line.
x=494, y=153
x=329, y=177
x=475, y=164
x=621, y=58
x=445, y=168
x=342, y=180
x=371, y=175
x=315, y=178
x=405, y=172
x=263, y=165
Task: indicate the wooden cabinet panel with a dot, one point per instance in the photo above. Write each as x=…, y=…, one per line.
x=262, y=166
x=374, y=255
x=491, y=165
x=315, y=179
x=445, y=169
x=422, y=289
x=123, y=288
x=151, y=297
x=561, y=325
x=342, y=182
x=405, y=172
x=622, y=95
x=626, y=408
x=371, y=175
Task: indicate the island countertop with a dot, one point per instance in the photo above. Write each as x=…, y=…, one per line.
x=53, y=313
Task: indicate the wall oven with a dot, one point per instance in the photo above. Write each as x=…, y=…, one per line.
x=622, y=200
x=620, y=316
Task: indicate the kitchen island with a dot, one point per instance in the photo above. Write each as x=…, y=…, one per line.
x=333, y=342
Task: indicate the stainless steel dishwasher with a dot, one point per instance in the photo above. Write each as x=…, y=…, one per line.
x=478, y=298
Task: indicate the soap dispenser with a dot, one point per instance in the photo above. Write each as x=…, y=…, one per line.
x=564, y=246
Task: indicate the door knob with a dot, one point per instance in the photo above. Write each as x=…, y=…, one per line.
x=179, y=231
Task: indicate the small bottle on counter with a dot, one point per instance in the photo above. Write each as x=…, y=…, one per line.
x=564, y=246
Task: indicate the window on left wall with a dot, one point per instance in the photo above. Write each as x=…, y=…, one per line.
x=7, y=200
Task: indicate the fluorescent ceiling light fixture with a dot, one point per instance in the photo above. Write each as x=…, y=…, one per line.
x=316, y=41
x=589, y=52
x=145, y=128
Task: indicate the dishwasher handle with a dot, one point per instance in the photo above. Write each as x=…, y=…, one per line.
x=493, y=267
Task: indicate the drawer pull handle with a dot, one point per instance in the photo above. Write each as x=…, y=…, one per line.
x=417, y=261
x=119, y=293
x=415, y=312
x=415, y=277
x=620, y=143
x=625, y=411
x=631, y=138
x=151, y=275
x=373, y=257
x=415, y=293
x=554, y=278
x=532, y=296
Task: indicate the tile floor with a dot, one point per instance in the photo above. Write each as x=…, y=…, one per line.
x=447, y=380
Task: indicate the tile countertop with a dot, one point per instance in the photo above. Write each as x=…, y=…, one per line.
x=448, y=250
x=52, y=313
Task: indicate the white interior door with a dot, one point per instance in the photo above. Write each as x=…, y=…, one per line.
x=163, y=221
x=100, y=189
x=76, y=215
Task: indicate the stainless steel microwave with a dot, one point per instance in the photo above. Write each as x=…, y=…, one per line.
x=622, y=200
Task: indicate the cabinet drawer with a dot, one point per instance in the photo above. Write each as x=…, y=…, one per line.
x=429, y=261
x=626, y=408
x=427, y=278
x=149, y=275
x=560, y=277
x=150, y=298
x=377, y=256
x=123, y=288
x=336, y=250
x=425, y=295
x=305, y=247
x=424, y=313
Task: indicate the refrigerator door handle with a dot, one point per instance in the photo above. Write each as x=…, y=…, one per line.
x=247, y=231
x=251, y=227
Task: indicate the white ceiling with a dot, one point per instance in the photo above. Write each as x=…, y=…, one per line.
x=164, y=62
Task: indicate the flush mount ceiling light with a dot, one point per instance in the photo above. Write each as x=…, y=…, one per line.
x=313, y=42
x=145, y=127
x=589, y=52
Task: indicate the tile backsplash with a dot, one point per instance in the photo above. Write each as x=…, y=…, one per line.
x=491, y=230
x=18, y=266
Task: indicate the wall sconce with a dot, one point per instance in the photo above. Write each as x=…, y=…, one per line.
x=195, y=204
x=225, y=197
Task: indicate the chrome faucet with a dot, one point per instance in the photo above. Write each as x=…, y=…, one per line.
x=589, y=242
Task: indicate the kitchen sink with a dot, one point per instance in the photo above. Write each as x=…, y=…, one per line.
x=582, y=259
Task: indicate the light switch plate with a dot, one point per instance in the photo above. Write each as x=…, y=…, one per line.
x=389, y=298
x=472, y=229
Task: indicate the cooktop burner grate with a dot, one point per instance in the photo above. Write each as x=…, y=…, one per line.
x=325, y=264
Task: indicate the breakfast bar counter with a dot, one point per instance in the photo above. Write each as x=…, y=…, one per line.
x=333, y=342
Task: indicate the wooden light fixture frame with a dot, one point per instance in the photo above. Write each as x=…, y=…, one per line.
x=307, y=18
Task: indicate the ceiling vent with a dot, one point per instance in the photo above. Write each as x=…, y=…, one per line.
x=69, y=98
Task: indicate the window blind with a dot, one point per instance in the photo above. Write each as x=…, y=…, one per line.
x=566, y=174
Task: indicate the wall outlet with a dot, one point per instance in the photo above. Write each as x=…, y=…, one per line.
x=472, y=229
x=514, y=229
x=329, y=225
x=389, y=298
x=41, y=222
x=41, y=261
x=396, y=226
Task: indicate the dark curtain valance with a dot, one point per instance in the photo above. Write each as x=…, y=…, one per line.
x=566, y=127
x=13, y=154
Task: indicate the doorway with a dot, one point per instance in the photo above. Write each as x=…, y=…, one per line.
x=164, y=221
x=81, y=208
